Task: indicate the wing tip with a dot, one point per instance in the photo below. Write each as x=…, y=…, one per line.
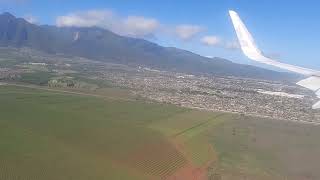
x=232, y=12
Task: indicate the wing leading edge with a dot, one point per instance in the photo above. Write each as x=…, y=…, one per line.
x=251, y=50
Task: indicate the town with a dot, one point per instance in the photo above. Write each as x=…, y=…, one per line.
x=264, y=98
x=230, y=94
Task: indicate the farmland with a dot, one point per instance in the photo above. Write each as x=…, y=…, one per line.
x=257, y=148
x=59, y=135
x=50, y=135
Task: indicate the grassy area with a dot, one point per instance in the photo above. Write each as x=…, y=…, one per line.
x=54, y=135
x=47, y=135
x=190, y=129
x=7, y=63
x=242, y=147
x=98, y=82
x=37, y=78
x=256, y=148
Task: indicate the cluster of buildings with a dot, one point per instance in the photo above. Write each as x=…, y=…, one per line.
x=9, y=74
x=279, y=100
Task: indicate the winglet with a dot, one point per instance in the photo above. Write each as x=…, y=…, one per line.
x=251, y=50
x=232, y=13
x=246, y=40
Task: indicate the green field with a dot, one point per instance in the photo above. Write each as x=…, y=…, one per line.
x=49, y=135
x=256, y=148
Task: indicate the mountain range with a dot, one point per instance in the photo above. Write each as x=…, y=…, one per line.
x=103, y=45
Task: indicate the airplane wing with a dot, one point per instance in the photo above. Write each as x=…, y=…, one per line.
x=251, y=50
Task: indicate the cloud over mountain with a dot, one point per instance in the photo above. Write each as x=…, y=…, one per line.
x=131, y=25
x=136, y=26
x=216, y=41
x=187, y=31
x=211, y=40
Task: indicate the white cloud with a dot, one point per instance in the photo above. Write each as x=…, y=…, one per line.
x=136, y=26
x=232, y=45
x=219, y=42
x=186, y=31
x=211, y=40
x=31, y=19
x=86, y=19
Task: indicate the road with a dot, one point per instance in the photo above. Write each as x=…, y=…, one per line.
x=69, y=92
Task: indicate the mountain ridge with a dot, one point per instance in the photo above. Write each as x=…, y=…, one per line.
x=103, y=45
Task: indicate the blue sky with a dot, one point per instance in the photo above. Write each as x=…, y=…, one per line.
x=286, y=29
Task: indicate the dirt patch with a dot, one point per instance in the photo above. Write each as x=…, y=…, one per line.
x=189, y=172
x=160, y=159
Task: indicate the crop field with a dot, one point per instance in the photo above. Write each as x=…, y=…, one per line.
x=59, y=135
x=256, y=148
x=51, y=135
x=239, y=147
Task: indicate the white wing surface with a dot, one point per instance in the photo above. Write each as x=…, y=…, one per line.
x=251, y=50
